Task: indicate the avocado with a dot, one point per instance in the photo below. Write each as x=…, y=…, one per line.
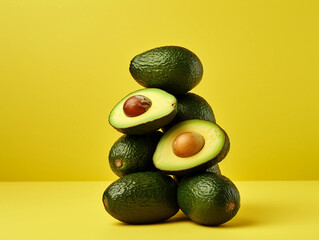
x=134, y=153
x=143, y=111
x=141, y=198
x=191, y=106
x=191, y=146
x=208, y=198
x=171, y=68
x=212, y=169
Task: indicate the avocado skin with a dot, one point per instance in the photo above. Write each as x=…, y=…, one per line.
x=200, y=168
x=205, y=197
x=135, y=152
x=191, y=106
x=212, y=169
x=148, y=127
x=142, y=198
x=171, y=68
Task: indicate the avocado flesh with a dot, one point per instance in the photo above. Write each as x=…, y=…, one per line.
x=162, y=111
x=215, y=139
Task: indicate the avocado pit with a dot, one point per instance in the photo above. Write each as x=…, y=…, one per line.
x=188, y=144
x=136, y=105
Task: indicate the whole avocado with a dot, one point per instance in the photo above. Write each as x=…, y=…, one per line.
x=174, y=69
x=142, y=198
x=191, y=106
x=213, y=169
x=133, y=153
x=208, y=198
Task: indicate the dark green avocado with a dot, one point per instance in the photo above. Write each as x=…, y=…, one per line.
x=208, y=198
x=171, y=68
x=214, y=147
x=134, y=153
x=150, y=110
x=191, y=106
x=212, y=169
x=142, y=198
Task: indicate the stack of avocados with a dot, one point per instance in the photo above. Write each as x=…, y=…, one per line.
x=175, y=168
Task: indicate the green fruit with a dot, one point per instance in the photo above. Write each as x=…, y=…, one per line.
x=143, y=111
x=191, y=146
x=141, y=198
x=208, y=198
x=212, y=169
x=133, y=153
x=173, y=69
x=191, y=106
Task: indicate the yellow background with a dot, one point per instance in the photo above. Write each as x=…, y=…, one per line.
x=64, y=65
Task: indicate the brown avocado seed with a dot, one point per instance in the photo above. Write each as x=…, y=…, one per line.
x=136, y=105
x=188, y=144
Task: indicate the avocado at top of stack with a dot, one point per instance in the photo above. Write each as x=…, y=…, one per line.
x=174, y=69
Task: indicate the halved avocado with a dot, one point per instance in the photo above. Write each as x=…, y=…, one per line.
x=160, y=109
x=190, y=146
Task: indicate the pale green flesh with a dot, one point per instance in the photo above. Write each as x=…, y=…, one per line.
x=163, y=104
x=164, y=157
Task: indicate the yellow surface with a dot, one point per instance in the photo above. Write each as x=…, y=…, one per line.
x=64, y=65
x=74, y=210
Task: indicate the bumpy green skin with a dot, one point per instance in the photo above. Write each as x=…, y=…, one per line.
x=212, y=169
x=142, y=198
x=191, y=106
x=148, y=127
x=171, y=68
x=134, y=152
x=205, y=198
x=202, y=167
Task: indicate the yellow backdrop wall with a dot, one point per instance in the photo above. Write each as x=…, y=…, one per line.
x=64, y=65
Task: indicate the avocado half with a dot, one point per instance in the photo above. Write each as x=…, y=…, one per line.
x=161, y=112
x=216, y=147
